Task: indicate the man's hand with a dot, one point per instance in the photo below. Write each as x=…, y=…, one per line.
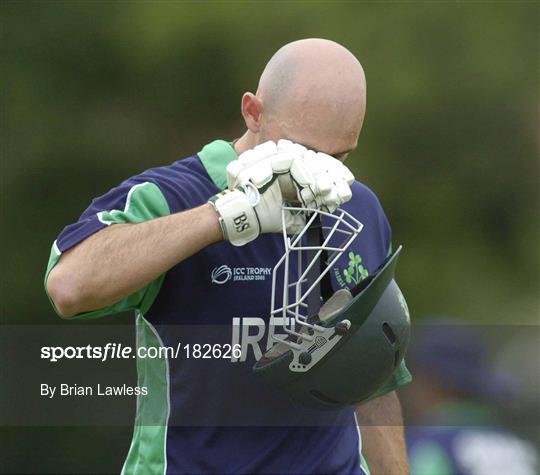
x=383, y=442
x=322, y=182
x=265, y=178
x=261, y=163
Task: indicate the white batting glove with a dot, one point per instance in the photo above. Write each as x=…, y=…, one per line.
x=260, y=164
x=322, y=181
x=253, y=203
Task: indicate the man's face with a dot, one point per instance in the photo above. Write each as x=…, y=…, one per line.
x=338, y=147
x=333, y=137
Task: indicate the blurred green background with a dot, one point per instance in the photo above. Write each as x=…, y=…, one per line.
x=94, y=92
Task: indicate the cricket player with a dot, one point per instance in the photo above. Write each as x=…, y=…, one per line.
x=194, y=263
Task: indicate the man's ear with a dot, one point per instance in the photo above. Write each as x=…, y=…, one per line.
x=252, y=111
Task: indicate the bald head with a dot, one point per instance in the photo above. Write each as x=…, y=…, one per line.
x=313, y=91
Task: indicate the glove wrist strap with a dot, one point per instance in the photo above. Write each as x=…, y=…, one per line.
x=238, y=219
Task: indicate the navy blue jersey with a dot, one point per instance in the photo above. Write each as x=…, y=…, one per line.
x=207, y=412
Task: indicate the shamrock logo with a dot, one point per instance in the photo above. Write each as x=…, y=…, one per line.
x=355, y=271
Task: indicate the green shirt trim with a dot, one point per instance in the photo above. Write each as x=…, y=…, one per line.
x=215, y=157
x=364, y=465
x=145, y=201
x=400, y=377
x=148, y=451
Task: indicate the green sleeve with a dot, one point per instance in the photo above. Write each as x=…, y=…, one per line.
x=400, y=377
x=145, y=201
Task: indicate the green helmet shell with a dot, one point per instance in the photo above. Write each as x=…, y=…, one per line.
x=373, y=330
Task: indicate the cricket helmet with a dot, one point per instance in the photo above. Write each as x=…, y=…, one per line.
x=342, y=352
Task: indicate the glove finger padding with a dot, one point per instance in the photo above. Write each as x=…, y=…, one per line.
x=259, y=175
x=287, y=151
x=344, y=191
x=259, y=164
x=292, y=148
x=322, y=181
x=303, y=169
x=251, y=166
x=323, y=184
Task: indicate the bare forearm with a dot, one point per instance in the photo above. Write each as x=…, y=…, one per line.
x=383, y=440
x=123, y=258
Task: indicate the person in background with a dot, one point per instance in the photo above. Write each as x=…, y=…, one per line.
x=454, y=406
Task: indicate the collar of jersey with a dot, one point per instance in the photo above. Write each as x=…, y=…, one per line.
x=215, y=157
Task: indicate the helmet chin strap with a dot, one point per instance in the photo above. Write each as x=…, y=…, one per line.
x=314, y=239
x=323, y=288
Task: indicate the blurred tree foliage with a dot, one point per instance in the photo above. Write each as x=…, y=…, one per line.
x=94, y=92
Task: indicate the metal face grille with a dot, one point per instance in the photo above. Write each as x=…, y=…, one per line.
x=295, y=271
